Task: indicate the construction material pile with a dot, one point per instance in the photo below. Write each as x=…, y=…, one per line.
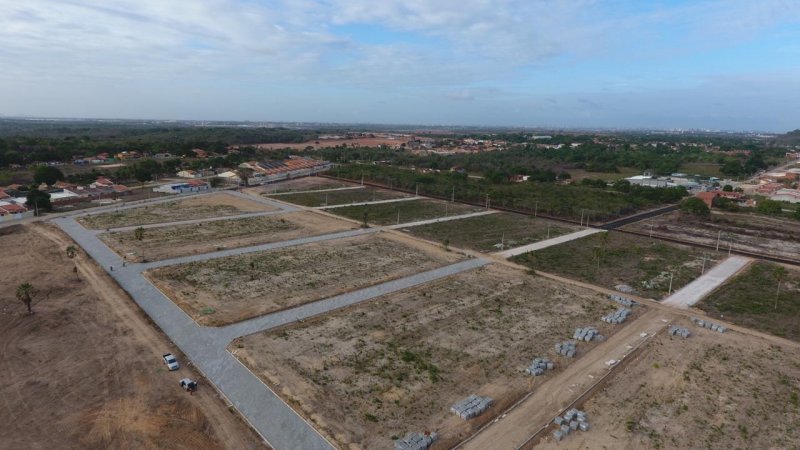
x=567, y=348
x=679, y=331
x=572, y=420
x=617, y=316
x=471, y=406
x=587, y=334
x=624, y=301
x=706, y=324
x=538, y=366
x=415, y=441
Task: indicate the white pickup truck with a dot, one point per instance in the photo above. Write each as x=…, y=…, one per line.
x=171, y=362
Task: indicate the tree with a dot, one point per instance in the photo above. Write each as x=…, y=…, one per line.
x=695, y=206
x=25, y=295
x=366, y=216
x=216, y=182
x=138, y=233
x=727, y=188
x=38, y=200
x=71, y=251
x=779, y=273
x=48, y=175
x=770, y=207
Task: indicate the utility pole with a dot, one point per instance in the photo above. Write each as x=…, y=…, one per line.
x=730, y=246
x=503, y=242
x=548, y=231
x=581, y=218
x=703, y=269
x=651, y=231
x=416, y=192
x=535, y=208
x=398, y=216
x=719, y=235
x=326, y=199
x=487, y=201
x=670, y=284
x=453, y=195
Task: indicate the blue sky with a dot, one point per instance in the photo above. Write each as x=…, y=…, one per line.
x=722, y=64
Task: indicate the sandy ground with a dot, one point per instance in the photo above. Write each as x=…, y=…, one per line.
x=374, y=372
x=297, y=184
x=228, y=290
x=85, y=370
x=748, y=232
x=200, y=207
x=712, y=390
x=181, y=240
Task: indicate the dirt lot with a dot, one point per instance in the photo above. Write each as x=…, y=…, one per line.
x=485, y=233
x=340, y=197
x=170, y=242
x=410, y=211
x=712, y=390
x=199, y=207
x=639, y=262
x=85, y=370
x=298, y=184
x=374, y=372
x=752, y=299
x=228, y=290
x=749, y=232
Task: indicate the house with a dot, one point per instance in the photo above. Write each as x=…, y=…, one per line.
x=646, y=180
x=518, y=178
x=294, y=167
x=183, y=187
x=124, y=155
x=709, y=196
x=786, y=195
x=768, y=188
x=189, y=174
x=200, y=153
x=13, y=211
x=101, y=182
x=3, y=194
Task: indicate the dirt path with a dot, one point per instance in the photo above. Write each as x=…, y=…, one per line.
x=556, y=393
x=229, y=429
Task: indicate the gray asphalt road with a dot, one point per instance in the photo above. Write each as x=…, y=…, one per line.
x=278, y=423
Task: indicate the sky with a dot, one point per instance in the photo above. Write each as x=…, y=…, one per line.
x=702, y=64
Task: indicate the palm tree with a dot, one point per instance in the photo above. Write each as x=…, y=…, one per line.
x=779, y=273
x=25, y=295
x=71, y=251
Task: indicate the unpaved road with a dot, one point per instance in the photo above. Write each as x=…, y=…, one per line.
x=703, y=285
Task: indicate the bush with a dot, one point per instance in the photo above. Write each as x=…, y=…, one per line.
x=695, y=206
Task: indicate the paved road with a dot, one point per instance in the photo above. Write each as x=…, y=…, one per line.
x=441, y=219
x=702, y=286
x=548, y=243
x=376, y=202
x=276, y=421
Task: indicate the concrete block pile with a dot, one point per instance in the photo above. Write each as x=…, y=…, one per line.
x=617, y=316
x=572, y=420
x=471, y=406
x=706, y=324
x=587, y=334
x=624, y=301
x=678, y=331
x=567, y=348
x=415, y=441
x=538, y=366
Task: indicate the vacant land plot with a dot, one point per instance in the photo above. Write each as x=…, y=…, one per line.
x=749, y=232
x=649, y=266
x=492, y=232
x=376, y=371
x=754, y=300
x=85, y=370
x=410, y=211
x=227, y=290
x=198, y=207
x=298, y=184
x=341, y=197
x=170, y=242
x=709, y=391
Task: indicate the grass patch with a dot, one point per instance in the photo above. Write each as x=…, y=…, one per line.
x=340, y=197
x=410, y=211
x=749, y=299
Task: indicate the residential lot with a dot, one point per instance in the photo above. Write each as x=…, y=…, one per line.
x=749, y=232
x=711, y=390
x=340, y=197
x=231, y=289
x=169, y=242
x=376, y=371
x=85, y=370
x=199, y=207
x=644, y=264
x=298, y=184
x=492, y=232
x=409, y=211
x=752, y=299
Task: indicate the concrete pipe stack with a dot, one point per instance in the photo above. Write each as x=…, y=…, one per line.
x=587, y=334
x=567, y=348
x=712, y=326
x=471, y=406
x=617, y=317
x=538, y=366
x=679, y=331
x=415, y=441
x=624, y=301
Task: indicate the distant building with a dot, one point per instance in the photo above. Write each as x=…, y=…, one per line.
x=786, y=195
x=189, y=174
x=183, y=187
x=271, y=171
x=709, y=196
x=646, y=180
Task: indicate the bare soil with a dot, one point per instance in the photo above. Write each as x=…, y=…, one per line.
x=85, y=370
x=406, y=211
x=342, y=197
x=774, y=236
x=376, y=371
x=712, y=390
x=181, y=240
x=199, y=207
x=297, y=184
x=227, y=290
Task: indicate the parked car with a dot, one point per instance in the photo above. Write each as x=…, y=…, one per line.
x=171, y=362
x=189, y=384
